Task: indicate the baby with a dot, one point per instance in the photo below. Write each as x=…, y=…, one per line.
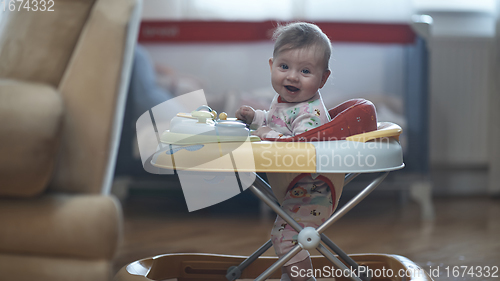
x=299, y=68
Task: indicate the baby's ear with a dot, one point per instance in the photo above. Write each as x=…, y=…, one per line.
x=326, y=74
x=271, y=63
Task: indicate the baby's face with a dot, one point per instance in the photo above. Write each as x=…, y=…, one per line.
x=297, y=74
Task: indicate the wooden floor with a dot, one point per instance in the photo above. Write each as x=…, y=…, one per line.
x=466, y=231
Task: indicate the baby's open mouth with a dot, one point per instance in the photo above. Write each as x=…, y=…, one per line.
x=292, y=88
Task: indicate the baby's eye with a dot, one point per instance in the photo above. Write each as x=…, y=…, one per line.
x=306, y=71
x=284, y=66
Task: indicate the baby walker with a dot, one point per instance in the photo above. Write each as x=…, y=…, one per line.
x=351, y=144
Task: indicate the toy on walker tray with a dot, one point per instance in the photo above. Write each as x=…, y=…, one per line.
x=333, y=151
x=203, y=126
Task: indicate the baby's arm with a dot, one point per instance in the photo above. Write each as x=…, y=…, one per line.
x=262, y=132
x=245, y=113
x=252, y=117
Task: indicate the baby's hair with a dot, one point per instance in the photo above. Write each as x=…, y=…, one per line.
x=301, y=35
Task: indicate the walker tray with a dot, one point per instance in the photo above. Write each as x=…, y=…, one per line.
x=196, y=141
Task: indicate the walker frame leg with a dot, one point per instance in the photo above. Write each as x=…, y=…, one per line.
x=234, y=272
x=261, y=189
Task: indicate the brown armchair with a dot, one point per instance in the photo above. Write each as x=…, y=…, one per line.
x=63, y=83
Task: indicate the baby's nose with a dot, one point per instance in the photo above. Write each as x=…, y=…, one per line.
x=292, y=76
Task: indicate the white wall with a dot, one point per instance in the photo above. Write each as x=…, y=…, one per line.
x=351, y=10
x=337, y=10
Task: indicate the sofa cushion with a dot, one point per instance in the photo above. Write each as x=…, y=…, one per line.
x=83, y=226
x=30, y=119
x=37, y=46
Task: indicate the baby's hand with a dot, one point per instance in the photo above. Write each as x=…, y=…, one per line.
x=262, y=132
x=245, y=113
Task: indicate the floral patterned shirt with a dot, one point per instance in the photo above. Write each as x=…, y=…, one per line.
x=287, y=119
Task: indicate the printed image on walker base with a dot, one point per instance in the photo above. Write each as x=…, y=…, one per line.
x=191, y=144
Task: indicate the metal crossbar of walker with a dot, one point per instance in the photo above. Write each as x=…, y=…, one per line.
x=308, y=238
